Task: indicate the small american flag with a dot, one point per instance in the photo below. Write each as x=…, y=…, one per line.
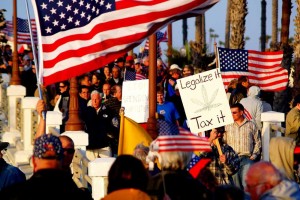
x=262, y=68
x=23, y=34
x=129, y=75
x=181, y=142
x=196, y=165
x=247, y=114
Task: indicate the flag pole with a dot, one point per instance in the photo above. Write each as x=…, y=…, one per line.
x=37, y=66
x=216, y=55
x=15, y=76
x=151, y=123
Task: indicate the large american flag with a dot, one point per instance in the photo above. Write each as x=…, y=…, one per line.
x=78, y=36
x=262, y=68
x=23, y=33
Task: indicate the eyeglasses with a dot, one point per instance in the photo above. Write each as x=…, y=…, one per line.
x=234, y=113
x=69, y=150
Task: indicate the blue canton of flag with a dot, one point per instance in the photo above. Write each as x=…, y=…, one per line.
x=233, y=60
x=22, y=25
x=129, y=75
x=193, y=162
x=167, y=128
x=60, y=16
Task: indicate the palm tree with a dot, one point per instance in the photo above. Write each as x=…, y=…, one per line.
x=274, y=24
x=238, y=12
x=184, y=31
x=296, y=88
x=200, y=30
x=211, y=35
x=280, y=98
x=227, y=26
x=263, y=25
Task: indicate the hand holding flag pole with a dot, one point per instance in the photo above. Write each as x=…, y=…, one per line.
x=217, y=143
x=35, y=59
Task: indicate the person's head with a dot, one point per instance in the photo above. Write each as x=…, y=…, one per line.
x=261, y=177
x=47, y=153
x=141, y=151
x=146, y=61
x=159, y=64
x=127, y=172
x=106, y=89
x=116, y=91
x=106, y=71
x=3, y=147
x=68, y=149
x=232, y=85
x=129, y=61
x=296, y=101
x=237, y=111
x=187, y=71
x=244, y=81
x=63, y=86
x=85, y=80
x=33, y=67
x=253, y=91
x=175, y=160
x=120, y=62
x=160, y=96
x=137, y=65
x=116, y=72
x=96, y=79
x=84, y=92
x=175, y=71
x=96, y=99
x=215, y=133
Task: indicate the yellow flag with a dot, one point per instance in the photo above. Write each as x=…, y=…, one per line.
x=131, y=134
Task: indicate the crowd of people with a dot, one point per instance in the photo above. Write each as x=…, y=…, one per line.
x=233, y=168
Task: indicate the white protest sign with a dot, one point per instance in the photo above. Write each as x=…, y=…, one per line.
x=135, y=100
x=204, y=100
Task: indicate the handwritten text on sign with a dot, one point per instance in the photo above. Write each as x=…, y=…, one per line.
x=204, y=100
x=135, y=100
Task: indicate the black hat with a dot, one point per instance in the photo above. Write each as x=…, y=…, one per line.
x=3, y=145
x=296, y=100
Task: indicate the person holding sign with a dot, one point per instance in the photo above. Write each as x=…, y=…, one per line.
x=166, y=110
x=243, y=136
x=224, y=161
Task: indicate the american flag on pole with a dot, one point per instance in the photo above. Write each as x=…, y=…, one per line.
x=182, y=142
x=78, y=36
x=23, y=36
x=262, y=68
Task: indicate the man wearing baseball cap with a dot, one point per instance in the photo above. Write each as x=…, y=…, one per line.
x=49, y=180
x=9, y=175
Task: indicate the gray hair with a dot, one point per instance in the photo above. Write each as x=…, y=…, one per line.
x=96, y=92
x=141, y=151
x=175, y=160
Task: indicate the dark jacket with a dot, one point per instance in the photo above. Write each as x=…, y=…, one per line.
x=180, y=185
x=46, y=184
x=10, y=175
x=97, y=126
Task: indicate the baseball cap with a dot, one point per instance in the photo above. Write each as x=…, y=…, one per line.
x=3, y=145
x=175, y=66
x=48, y=147
x=129, y=58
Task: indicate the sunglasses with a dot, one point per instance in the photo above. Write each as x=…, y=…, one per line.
x=69, y=150
x=61, y=86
